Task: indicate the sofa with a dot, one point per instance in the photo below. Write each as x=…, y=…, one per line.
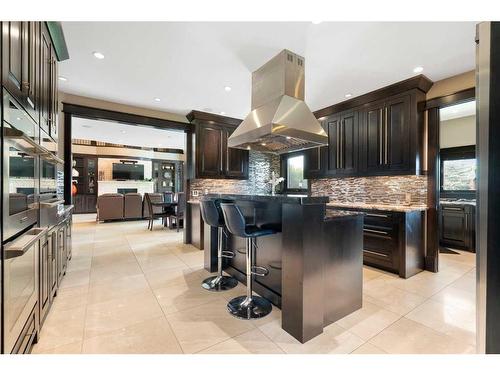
x=132, y=206
x=110, y=207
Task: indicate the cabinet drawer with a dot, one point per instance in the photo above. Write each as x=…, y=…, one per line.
x=380, y=247
x=380, y=219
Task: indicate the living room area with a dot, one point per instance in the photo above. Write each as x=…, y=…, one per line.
x=126, y=169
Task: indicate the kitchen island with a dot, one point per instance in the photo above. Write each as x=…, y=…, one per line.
x=314, y=261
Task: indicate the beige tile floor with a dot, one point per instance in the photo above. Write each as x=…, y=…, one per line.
x=129, y=290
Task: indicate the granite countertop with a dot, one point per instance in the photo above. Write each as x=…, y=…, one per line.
x=333, y=214
x=283, y=198
x=380, y=207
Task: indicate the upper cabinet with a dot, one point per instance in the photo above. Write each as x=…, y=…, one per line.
x=380, y=133
x=212, y=157
x=29, y=68
x=20, y=55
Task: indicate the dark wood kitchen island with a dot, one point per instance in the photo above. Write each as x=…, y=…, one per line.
x=315, y=261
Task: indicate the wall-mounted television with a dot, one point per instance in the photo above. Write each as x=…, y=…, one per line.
x=128, y=171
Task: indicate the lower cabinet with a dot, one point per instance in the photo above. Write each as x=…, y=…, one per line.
x=457, y=226
x=85, y=203
x=394, y=241
x=55, y=250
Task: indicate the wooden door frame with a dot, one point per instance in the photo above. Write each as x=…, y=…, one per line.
x=432, y=108
x=70, y=110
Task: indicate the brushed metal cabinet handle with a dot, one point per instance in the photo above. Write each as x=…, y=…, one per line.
x=386, y=125
x=376, y=231
x=377, y=215
x=381, y=129
x=375, y=253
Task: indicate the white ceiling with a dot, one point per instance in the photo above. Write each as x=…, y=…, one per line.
x=131, y=135
x=458, y=111
x=187, y=64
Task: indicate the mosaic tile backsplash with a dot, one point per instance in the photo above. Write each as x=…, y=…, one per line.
x=389, y=190
x=259, y=173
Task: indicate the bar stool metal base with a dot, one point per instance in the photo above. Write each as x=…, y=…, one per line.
x=255, y=308
x=219, y=283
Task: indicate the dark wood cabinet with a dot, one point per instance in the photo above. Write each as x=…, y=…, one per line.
x=44, y=299
x=213, y=158
x=372, y=138
x=45, y=80
x=387, y=145
x=21, y=60
x=209, y=151
x=376, y=134
x=13, y=43
x=457, y=226
x=393, y=240
x=236, y=161
x=85, y=199
x=53, y=279
x=342, y=144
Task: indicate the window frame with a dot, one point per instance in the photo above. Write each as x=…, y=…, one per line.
x=456, y=153
x=284, y=172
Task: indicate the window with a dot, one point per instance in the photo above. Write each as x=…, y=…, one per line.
x=295, y=173
x=459, y=175
x=458, y=172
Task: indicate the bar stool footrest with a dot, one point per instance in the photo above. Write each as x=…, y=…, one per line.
x=260, y=271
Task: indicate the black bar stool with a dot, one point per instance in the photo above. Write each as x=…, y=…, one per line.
x=212, y=215
x=249, y=306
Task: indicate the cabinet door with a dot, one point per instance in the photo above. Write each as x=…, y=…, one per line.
x=61, y=239
x=209, y=151
x=236, y=163
x=31, y=65
x=45, y=80
x=90, y=204
x=13, y=44
x=371, y=138
x=397, y=133
x=53, y=97
x=349, y=143
x=453, y=226
x=316, y=159
x=53, y=264
x=44, y=292
x=334, y=140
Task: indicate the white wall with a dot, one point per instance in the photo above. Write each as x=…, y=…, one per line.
x=458, y=132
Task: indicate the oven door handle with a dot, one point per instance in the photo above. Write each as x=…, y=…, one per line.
x=29, y=145
x=52, y=204
x=21, y=245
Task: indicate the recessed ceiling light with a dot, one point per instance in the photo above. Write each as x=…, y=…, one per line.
x=157, y=100
x=222, y=113
x=61, y=78
x=316, y=22
x=227, y=88
x=348, y=95
x=98, y=55
x=418, y=69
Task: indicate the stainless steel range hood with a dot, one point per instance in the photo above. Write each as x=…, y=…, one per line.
x=280, y=121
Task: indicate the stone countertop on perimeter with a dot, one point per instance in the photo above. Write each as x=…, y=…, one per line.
x=378, y=207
